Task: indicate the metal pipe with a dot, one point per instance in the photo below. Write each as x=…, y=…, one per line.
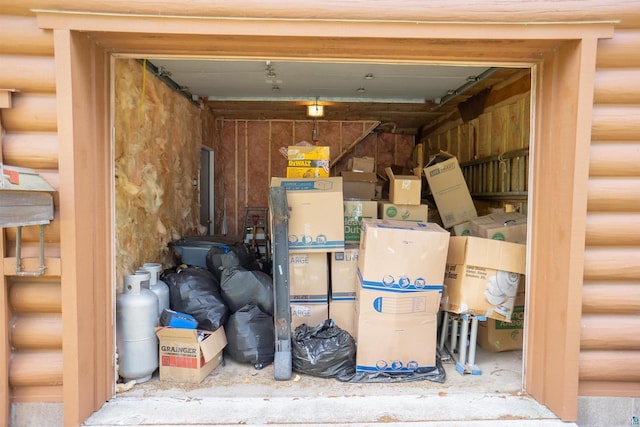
x=465, y=87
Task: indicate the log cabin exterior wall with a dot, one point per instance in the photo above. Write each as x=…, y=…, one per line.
x=611, y=281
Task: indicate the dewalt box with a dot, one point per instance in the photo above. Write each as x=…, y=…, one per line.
x=308, y=161
x=189, y=355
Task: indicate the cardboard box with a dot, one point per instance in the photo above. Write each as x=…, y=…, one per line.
x=396, y=331
x=308, y=161
x=497, y=335
x=359, y=185
x=316, y=223
x=404, y=189
x=402, y=255
x=343, y=313
x=309, y=276
x=449, y=190
x=510, y=227
x=483, y=276
x=354, y=212
x=388, y=210
x=361, y=164
x=344, y=273
x=311, y=313
x=189, y=355
x=462, y=229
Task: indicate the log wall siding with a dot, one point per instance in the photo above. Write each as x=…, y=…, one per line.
x=610, y=344
x=30, y=140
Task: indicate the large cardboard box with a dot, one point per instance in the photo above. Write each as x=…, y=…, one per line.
x=402, y=255
x=483, y=276
x=311, y=313
x=510, y=227
x=189, y=355
x=309, y=276
x=344, y=272
x=396, y=331
x=343, y=313
x=388, y=210
x=361, y=164
x=316, y=222
x=449, y=190
x=497, y=335
x=354, y=212
x=308, y=161
x=359, y=185
x=404, y=189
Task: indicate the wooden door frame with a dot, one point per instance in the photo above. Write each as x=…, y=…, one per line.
x=562, y=58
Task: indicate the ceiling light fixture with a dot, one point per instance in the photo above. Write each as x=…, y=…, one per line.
x=315, y=110
x=360, y=90
x=368, y=76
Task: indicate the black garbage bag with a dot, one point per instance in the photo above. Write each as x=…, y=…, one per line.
x=245, y=258
x=436, y=374
x=196, y=291
x=240, y=287
x=323, y=351
x=250, y=337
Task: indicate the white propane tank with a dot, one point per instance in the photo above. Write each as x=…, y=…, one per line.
x=157, y=286
x=136, y=319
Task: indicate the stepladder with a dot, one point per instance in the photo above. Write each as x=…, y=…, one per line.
x=458, y=341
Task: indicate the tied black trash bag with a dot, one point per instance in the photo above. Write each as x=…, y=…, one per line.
x=240, y=287
x=195, y=291
x=250, y=337
x=244, y=258
x=324, y=351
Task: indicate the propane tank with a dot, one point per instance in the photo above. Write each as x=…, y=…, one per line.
x=136, y=319
x=157, y=286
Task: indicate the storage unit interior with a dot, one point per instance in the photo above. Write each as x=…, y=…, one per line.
x=164, y=113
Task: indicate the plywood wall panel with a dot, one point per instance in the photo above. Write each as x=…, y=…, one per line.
x=258, y=161
x=31, y=150
x=31, y=112
x=243, y=172
x=226, y=173
x=281, y=136
x=35, y=296
x=158, y=136
x=40, y=331
x=28, y=73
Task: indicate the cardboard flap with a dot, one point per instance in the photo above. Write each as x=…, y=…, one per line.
x=495, y=254
x=176, y=334
x=213, y=343
x=457, y=250
x=359, y=176
x=442, y=156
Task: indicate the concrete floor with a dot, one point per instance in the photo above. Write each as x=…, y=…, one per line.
x=239, y=394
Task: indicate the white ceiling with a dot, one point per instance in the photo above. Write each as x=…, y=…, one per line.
x=251, y=80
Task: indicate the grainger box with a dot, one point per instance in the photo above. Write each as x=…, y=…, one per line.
x=449, y=190
x=483, y=276
x=354, y=212
x=189, y=355
x=316, y=222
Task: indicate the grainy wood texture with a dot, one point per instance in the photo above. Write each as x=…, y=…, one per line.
x=31, y=150
x=31, y=112
x=35, y=368
x=37, y=332
x=20, y=36
x=28, y=73
x=603, y=297
x=615, y=158
x=35, y=296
